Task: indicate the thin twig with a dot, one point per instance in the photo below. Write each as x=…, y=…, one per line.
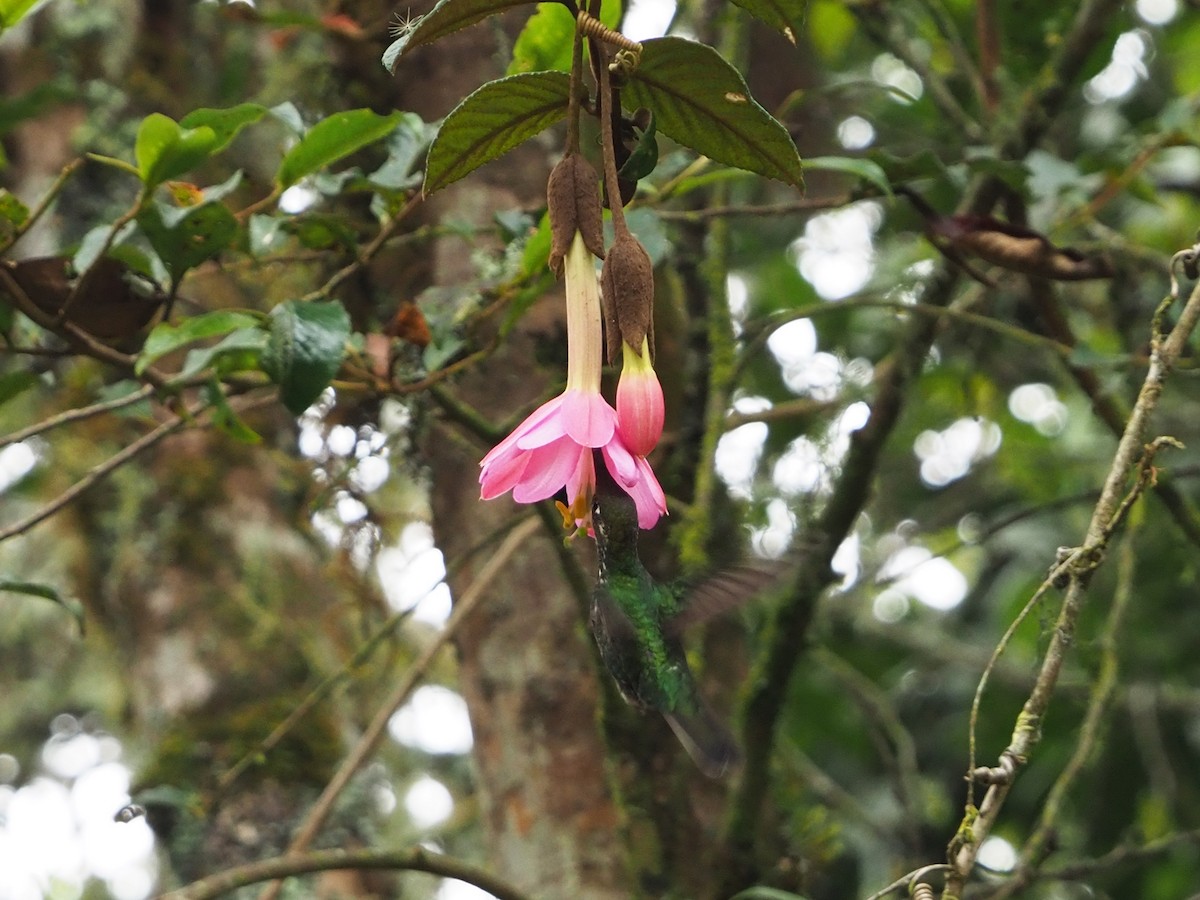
x=43, y=204
x=360, y=657
x=417, y=859
x=894, y=377
x=910, y=878
x=365, y=255
x=94, y=475
x=807, y=204
x=1121, y=855
x=373, y=736
x=72, y=332
x=1113, y=504
x=77, y=415
x=1089, y=731
x=813, y=310
x=789, y=409
x=901, y=756
x=879, y=22
x=964, y=64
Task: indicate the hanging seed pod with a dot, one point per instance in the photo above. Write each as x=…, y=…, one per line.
x=627, y=295
x=573, y=200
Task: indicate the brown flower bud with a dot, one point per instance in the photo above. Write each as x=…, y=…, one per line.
x=627, y=295
x=573, y=200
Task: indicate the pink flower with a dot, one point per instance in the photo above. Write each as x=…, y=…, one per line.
x=640, y=410
x=553, y=448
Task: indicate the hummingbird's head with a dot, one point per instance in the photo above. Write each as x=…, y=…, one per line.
x=615, y=521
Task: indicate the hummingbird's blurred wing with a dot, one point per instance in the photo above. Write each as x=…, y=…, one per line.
x=726, y=591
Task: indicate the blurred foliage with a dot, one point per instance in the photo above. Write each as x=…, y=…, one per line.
x=245, y=172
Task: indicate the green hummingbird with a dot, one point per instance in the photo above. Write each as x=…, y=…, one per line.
x=637, y=625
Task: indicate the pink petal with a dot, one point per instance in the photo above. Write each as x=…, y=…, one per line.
x=547, y=471
x=532, y=421
x=587, y=418
x=501, y=474
x=648, y=495
x=640, y=410
x=620, y=463
x=583, y=479
x=541, y=433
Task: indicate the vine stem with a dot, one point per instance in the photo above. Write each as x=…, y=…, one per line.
x=609, y=147
x=373, y=735
x=1114, y=502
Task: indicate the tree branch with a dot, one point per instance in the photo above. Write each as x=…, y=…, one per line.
x=417, y=859
x=373, y=736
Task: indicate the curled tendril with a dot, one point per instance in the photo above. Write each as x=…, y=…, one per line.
x=593, y=27
x=1189, y=261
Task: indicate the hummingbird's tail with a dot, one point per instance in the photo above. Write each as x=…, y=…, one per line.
x=706, y=739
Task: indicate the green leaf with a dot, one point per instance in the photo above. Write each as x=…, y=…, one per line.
x=225, y=123
x=305, y=349
x=166, y=338
x=445, y=18
x=644, y=158
x=332, y=139
x=852, y=165
x=491, y=121
x=536, y=255
x=12, y=211
x=765, y=893
x=785, y=16
x=702, y=102
x=184, y=238
x=93, y=242
x=46, y=592
x=226, y=419
x=545, y=41
x=238, y=351
x=406, y=148
x=13, y=384
x=13, y=11
x=163, y=150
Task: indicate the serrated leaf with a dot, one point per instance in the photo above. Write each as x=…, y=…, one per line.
x=165, y=338
x=852, y=165
x=445, y=18
x=225, y=123
x=702, y=102
x=46, y=592
x=491, y=121
x=184, y=238
x=305, y=349
x=164, y=150
x=785, y=16
x=331, y=139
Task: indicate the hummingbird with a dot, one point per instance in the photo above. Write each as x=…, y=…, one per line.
x=637, y=624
